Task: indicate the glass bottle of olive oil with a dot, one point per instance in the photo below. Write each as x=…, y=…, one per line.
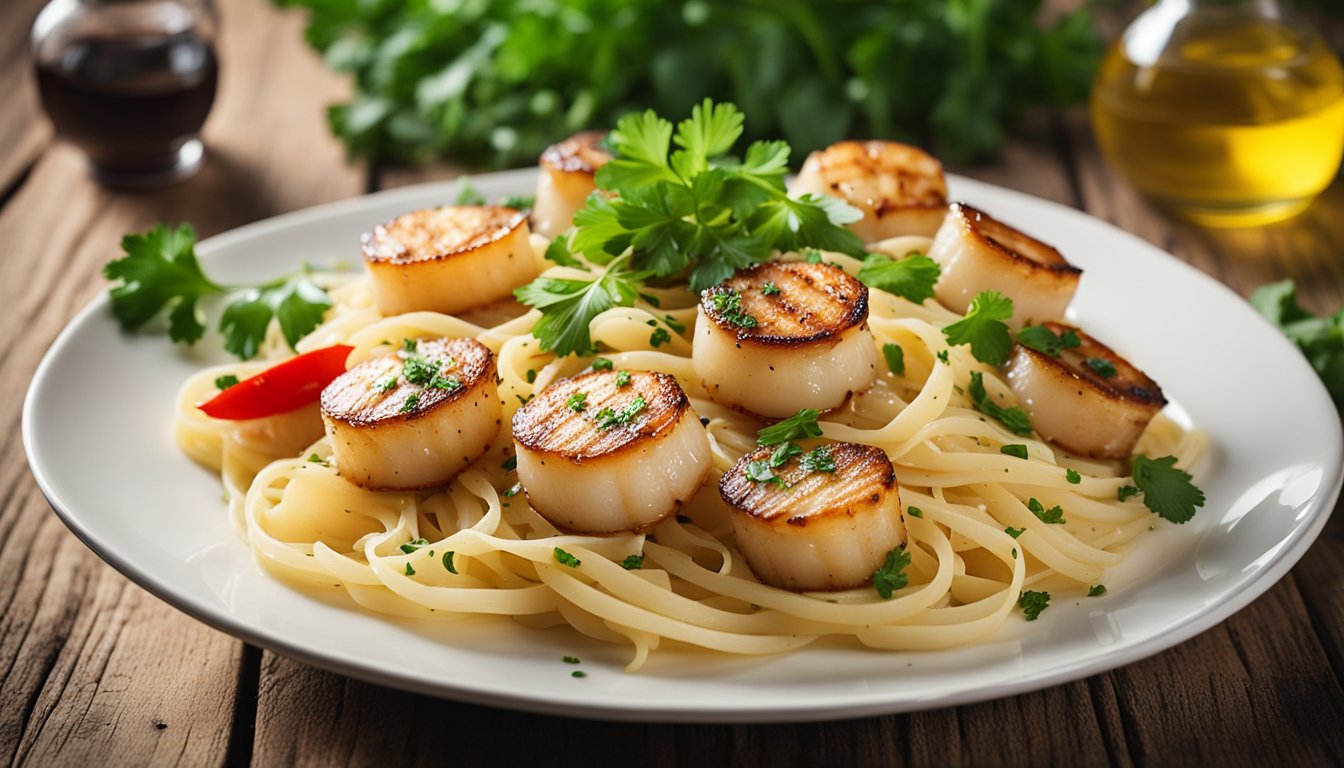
x=1227, y=112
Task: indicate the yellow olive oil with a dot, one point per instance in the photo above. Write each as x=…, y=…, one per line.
x=1231, y=125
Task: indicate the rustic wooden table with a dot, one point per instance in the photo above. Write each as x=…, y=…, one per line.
x=98, y=670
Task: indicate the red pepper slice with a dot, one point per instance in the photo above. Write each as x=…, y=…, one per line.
x=281, y=388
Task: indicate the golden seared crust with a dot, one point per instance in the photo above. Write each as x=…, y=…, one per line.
x=815, y=304
x=917, y=175
x=1010, y=242
x=549, y=424
x=863, y=476
x=439, y=233
x=579, y=153
x=359, y=397
x=1129, y=384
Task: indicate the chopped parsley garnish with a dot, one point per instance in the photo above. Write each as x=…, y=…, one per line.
x=578, y=401
x=1125, y=491
x=1042, y=339
x=510, y=464
x=571, y=659
x=1051, y=516
x=1097, y=590
x=1072, y=476
x=685, y=209
x=1016, y=449
x=813, y=256
x=601, y=364
x=783, y=453
x=622, y=378
x=1166, y=489
x=659, y=337
x=912, y=278
x=412, y=400
x=386, y=385
x=801, y=425
x=1104, y=368
x=985, y=328
x=224, y=382
x=728, y=303
x=531, y=376
x=315, y=459
x=633, y=562
x=513, y=490
x=564, y=558
x=578, y=673
x=818, y=459
x=409, y=570
x=449, y=383
x=895, y=357
x=942, y=357
x=914, y=512
x=768, y=288
x=1032, y=603
x=418, y=370
x=891, y=575
x=760, y=472
x=1014, y=532
x=1015, y=419
x=448, y=562
x=674, y=323
x=607, y=418
x=159, y=271
x=413, y=545
x=408, y=346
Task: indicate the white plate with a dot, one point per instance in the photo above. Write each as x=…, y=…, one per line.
x=96, y=427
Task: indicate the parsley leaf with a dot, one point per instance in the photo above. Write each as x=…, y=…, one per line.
x=564, y=558
x=414, y=545
x=568, y=306
x=607, y=418
x=1072, y=476
x=728, y=303
x=895, y=357
x=224, y=382
x=1096, y=590
x=1044, y=340
x=783, y=453
x=633, y=562
x=768, y=288
x=1167, y=490
x=1015, y=419
x=1014, y=532
x=448, y=562
x=891, y=575
x=1126, y=491
x=1052, y=516
x=1032, y=603
x=914, y=512
x=467, y=194
x=601, y=364
x=1321, y=339
x=578, y=401
x=801, y=425
x=911, y=278
x=623, y=378
x=1016, y=449
x=1103, y=368
x=984, y=328
x=818, y=459
x=160, y=271
x=760, y=472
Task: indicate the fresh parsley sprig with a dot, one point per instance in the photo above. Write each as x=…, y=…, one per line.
x=912, y=278
x=676, y=204
x=159, y=271
x=1044, y=340
x=891, y=575
x=1015, y=419
x=799, y=426
x=985, y=328
x=1166, y=489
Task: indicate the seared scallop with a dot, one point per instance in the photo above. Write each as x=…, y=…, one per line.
x=823, y=520
x=899, y=188
x=449, y=259
x=1088, y=399
x=610, y=451
x=566, y=180
x=777, y=337
x=416, y=418
x=977, y=252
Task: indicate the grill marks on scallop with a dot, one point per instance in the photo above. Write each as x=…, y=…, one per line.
x=439, y=233
x=549, y=424
x=814, y=301
x=863, y=474
x=357, y=397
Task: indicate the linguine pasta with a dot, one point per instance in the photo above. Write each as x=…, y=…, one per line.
x=485, y=551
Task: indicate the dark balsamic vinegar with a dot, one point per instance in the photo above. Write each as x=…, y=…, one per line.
x=131, y=103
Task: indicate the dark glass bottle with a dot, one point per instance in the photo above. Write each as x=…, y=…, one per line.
x=130, y=82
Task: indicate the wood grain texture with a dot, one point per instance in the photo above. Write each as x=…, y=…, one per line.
x=96, y=668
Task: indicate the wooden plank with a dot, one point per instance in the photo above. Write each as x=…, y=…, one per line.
x=95, y=667
x=24, y=130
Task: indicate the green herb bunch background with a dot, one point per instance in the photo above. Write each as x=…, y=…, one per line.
x=493, y=82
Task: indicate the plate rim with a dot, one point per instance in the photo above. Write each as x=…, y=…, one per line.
x=783, y=710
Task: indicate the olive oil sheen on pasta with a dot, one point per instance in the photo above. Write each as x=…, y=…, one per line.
x=1227, y=120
